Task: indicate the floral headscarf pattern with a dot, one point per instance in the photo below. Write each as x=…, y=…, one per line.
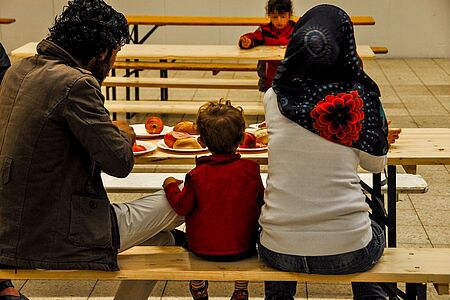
x=320, y=84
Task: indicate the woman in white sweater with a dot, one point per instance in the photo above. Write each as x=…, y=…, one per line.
x=325, y=119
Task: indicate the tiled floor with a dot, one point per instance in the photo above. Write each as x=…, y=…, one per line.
x=416, y=93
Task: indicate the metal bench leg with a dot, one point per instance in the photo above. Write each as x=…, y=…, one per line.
x=416, y=291
x=164, y=74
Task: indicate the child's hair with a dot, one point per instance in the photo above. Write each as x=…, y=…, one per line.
x=221, y=126
x=279, y=6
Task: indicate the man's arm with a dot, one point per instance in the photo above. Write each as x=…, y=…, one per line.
x=89, y=121
x=4, y=62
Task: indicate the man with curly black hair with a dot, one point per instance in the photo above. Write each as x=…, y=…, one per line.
x=56, y=137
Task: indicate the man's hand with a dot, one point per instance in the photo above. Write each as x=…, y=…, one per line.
x=245, y=42
x=170, y=180
x=123, y=126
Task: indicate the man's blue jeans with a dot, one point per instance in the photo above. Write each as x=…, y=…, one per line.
x=346, y=263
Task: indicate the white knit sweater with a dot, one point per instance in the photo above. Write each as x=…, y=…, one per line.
x=313, y=201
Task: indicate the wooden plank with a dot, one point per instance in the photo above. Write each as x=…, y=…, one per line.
x=150, y=182
x=173, y=107
x=220, y=20
x=195, y=83
x=175, y=263
x=194, y=52
x=188, y=66
x=379, y=49
x=7, y=20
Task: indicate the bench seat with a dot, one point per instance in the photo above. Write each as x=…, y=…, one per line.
x=422, y=265
x=173, y=106
x=151, y=182
x=192, y=83
x=185, y=66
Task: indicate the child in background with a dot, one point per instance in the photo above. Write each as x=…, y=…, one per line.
x=222, y=196
x=277, y=32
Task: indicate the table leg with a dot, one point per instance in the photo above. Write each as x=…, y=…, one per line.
x=392, y=205
x=164, y=74
x=410, y=169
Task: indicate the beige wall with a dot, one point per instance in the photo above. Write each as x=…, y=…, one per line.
x=409, y=28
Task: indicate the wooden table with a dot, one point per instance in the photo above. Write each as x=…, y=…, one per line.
x=193, y=52
x=415, y=146
x=7, y=20
x=166, y=53
x=157, y=21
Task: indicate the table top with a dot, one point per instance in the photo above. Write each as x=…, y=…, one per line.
x=415, y=146
x=193, y=52
x=7, y=20
x=220, y=20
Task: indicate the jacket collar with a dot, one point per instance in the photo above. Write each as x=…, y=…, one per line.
x=47, y=47
x=217, y=158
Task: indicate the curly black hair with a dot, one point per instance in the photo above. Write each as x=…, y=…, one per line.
x=279, y=6
x=87, y=28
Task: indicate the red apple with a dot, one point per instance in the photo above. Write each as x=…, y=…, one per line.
x=249, y=140
x=154, y=125
x=171, y=137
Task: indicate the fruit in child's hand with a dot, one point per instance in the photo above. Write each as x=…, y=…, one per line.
x=154, y=125
x=249, y=140
x=138, y=148
x=171, y=137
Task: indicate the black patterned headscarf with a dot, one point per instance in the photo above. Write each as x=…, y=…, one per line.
x=320, y=84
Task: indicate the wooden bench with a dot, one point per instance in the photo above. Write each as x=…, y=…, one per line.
x=7, y=20
x=412, y=266
x=173, y=107
x=187, y=83
x=151, y=182
x=157, y=21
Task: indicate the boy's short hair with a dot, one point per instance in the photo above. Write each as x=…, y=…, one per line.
x=279, y=6
x=221, y=126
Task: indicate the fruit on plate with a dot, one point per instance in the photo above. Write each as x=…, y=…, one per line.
x=262, y=136
x=187, y=143
x=154, y=125
x=185, y=126
x=171, y=137
x=138, y=148
x=249, y=140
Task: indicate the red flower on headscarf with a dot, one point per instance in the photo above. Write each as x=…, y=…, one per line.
x=338, y=118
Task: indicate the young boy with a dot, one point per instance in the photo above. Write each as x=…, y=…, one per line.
x=222, y=196
x=277, y=32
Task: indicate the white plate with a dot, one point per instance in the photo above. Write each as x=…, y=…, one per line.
x=252, y=149
x=141, y=133
x=148, y=145
x=163, y=146
x=255, y=126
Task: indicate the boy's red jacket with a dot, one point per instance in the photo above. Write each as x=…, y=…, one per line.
x=269, y=35
x=221, y=202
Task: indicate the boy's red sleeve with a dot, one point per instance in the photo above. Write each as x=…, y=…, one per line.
x=256, y=37
x=182, y=202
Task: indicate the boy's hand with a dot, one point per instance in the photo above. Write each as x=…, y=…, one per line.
x=170, y=180
x=393, y=134
x=245, y=42
x=123, y=126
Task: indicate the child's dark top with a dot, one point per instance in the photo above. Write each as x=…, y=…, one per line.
x=221, y=202
x=269, y=35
